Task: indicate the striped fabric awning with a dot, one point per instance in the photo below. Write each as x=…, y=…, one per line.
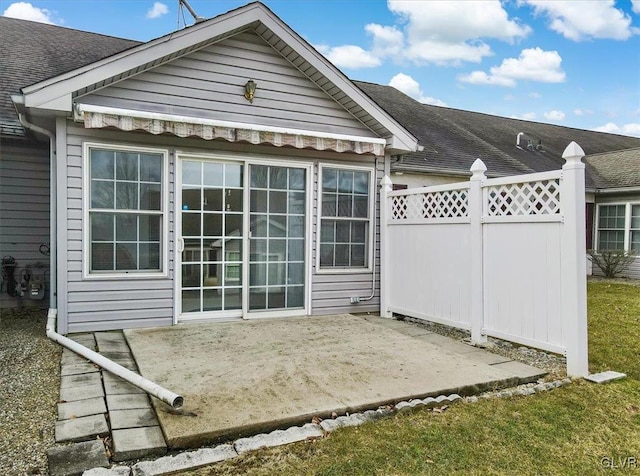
x=100, y=117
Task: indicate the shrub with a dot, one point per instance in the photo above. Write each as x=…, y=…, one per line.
x=611, y=262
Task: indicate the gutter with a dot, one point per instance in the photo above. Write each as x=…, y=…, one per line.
x=605, y=191
x=174, y=400
x=53, y=244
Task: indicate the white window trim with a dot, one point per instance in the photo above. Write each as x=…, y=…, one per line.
x=372, y=209
x=627, y=222
x=86, y=228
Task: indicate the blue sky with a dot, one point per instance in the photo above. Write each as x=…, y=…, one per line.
x=574, y=63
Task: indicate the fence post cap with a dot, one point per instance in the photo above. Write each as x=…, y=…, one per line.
x=573, y=153
x=386, y=181
x=478, y=168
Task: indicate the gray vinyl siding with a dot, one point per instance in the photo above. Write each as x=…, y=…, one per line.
x=209, y=84
x=108, y=303
x=100, y=304
x=331, y=293
x=24, y=211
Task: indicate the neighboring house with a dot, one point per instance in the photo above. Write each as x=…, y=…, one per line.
x=222, y=171
x=452, y=139
x=169, y=189
x=617, y=202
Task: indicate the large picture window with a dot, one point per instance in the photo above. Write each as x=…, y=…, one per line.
x=619, y=227
x=125, y=210
x=345, y=219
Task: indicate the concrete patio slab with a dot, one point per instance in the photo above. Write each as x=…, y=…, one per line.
x=78, y=380
x=81, y=393
x=524, y=372
x=242, y=378
x=76, y=369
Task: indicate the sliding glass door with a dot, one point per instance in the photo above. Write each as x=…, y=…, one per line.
x=217, y=202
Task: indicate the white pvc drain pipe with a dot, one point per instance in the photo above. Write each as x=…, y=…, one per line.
x=176, y=401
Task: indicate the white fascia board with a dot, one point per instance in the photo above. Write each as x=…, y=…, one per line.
x=59, y=86
x=216, y=123
x=62, y=103
x=401, y=138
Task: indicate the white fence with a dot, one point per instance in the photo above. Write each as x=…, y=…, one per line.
x=498, y=257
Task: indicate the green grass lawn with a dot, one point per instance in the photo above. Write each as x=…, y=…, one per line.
x=565, y=431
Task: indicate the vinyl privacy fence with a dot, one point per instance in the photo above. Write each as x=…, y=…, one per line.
x=498, y=257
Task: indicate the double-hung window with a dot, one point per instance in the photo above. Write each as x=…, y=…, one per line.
x=619, y=227
x=345, y=218
x=125, y=210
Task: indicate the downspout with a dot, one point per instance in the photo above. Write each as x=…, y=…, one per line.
x=53, y=245
x=174, y=400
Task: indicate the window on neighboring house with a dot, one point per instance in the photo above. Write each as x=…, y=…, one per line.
x=345, y=219
x=125, y=210
x=635, y=228
x=618, y=227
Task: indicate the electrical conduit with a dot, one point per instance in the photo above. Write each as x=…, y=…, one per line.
x=174, y=400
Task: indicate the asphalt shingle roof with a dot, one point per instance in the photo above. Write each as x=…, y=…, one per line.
x=616, y=169
x=32, y=52
x=453, y=139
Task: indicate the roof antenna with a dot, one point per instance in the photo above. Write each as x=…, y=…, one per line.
x=185, y=4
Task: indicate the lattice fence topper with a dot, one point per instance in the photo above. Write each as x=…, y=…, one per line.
x=447, y=204
x=531, y=198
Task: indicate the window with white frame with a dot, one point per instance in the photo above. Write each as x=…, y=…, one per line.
x=345, y=220
x=125, y=210
x=618, y=227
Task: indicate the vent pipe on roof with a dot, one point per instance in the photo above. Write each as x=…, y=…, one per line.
x=185, y=4
x=539, y=146
x=520, y=134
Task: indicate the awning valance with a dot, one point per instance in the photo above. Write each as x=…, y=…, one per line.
x=95, y=117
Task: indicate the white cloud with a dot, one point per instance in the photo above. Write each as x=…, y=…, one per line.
x=635, y=5
x=583, y=112
x=535, y=95
x=556, y=116
x=631, y=129
x=444, y=32
x=411, y=87
x=527, y=116
x=438, y=32
x=387, y=40
x=157, y=10
x=26, y=11
x=349, y=56
x=585, y=19
x=533, y=64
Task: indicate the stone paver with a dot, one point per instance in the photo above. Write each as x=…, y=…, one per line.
x=81, y=429
x=135, y=418
x=127, y=401
x=184, y=461
x=111, y=342
x=81, y=368
x=79, y=380
x=73, y=459
x=113, y=471
x=135, y=443
x=604, y=377
x=80, y=408
x=120, y=387
x=81, y=393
